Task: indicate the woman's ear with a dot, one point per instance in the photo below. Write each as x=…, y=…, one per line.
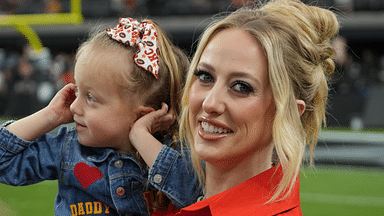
x=300, y=106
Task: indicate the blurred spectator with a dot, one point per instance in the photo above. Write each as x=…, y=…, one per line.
x=239, y=3
x=8, y=7
x=117, y=5
x=22, y=92
x=124, y=8
x=370, y=67
x=349, y=91
x=3, y=82
x=354, y=75
x=341, y=79
x=62, y=71
x=346, y=6
x=9, y=68
x=381, y=69
x=29, y=6
x=30, y=80
x=340, y=45
x=42, y=62
x=52, y=6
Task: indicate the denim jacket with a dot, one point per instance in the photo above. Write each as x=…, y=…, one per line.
x=94, y=181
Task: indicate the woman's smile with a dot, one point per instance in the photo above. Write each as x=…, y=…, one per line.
x=209, y=128
x=213, y=130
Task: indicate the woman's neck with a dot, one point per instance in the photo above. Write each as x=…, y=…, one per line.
x=222, y=178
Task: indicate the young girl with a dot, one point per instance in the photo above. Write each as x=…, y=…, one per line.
x=121, y=74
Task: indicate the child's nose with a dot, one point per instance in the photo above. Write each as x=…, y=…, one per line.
x=75, y=107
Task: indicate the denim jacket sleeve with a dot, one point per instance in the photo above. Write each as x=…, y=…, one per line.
x=173, y=174
x=27, y=162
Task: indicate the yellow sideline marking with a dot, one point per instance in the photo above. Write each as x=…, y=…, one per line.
x=23, y=22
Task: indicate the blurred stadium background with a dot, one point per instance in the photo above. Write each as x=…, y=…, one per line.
x=349, y=174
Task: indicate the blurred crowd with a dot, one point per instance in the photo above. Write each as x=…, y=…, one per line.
x=29, y=80
x=105, y=8
x=97, y=8
x=10, y=7
x=358, y=76
x=356, y=72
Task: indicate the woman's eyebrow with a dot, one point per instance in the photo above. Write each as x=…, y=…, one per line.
x=206, y=66
x=239, y=74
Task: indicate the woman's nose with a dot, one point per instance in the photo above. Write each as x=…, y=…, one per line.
x=214, y=103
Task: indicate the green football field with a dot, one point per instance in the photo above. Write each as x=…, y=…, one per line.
x=324, y=191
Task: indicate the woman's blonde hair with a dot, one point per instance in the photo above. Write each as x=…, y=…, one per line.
x=296, y=41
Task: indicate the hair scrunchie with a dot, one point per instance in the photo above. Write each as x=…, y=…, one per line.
x=142, y=34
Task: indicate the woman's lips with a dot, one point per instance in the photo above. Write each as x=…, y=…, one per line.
x=213, y=122
x=212, y=130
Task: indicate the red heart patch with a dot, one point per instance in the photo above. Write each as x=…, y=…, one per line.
x=87, y=175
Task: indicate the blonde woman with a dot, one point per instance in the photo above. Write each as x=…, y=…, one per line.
x=255, y=97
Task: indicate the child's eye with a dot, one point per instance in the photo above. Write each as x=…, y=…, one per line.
x=242, y=87
x=204, y=76
x=77, y=91
x=90, y=98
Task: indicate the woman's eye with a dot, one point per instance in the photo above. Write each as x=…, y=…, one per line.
x=204, y=76
x=242, y=87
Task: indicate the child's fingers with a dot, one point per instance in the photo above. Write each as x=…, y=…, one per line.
x=70, y=86
x=158, y=114
x=164, y=107
x=157, y=120
x=69, y=94
x=167, y=120
x=171, y=114
x=161, y=112
x=71, y=89
x=68, y=89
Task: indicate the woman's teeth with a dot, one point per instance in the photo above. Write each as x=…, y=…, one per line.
x=208, y=128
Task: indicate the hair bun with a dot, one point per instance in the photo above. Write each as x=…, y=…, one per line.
x=314, y=26
x=326, y=26
x=326, y=54
x=324, y=22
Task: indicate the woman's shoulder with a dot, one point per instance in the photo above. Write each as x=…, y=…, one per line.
x=251, y=197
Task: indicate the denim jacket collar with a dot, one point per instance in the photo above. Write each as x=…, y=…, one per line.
x=100, y=155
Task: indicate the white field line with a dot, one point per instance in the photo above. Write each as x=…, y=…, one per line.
x=352, y=137
x=343, y=199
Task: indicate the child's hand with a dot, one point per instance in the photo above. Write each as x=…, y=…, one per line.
x=142, y=130
x=60, y=104
x=155, y=121
x=56, y=113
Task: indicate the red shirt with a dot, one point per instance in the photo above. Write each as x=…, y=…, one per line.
x=248, y=198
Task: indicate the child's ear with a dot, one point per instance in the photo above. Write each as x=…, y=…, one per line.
x=300, y=106
x=144, y=110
